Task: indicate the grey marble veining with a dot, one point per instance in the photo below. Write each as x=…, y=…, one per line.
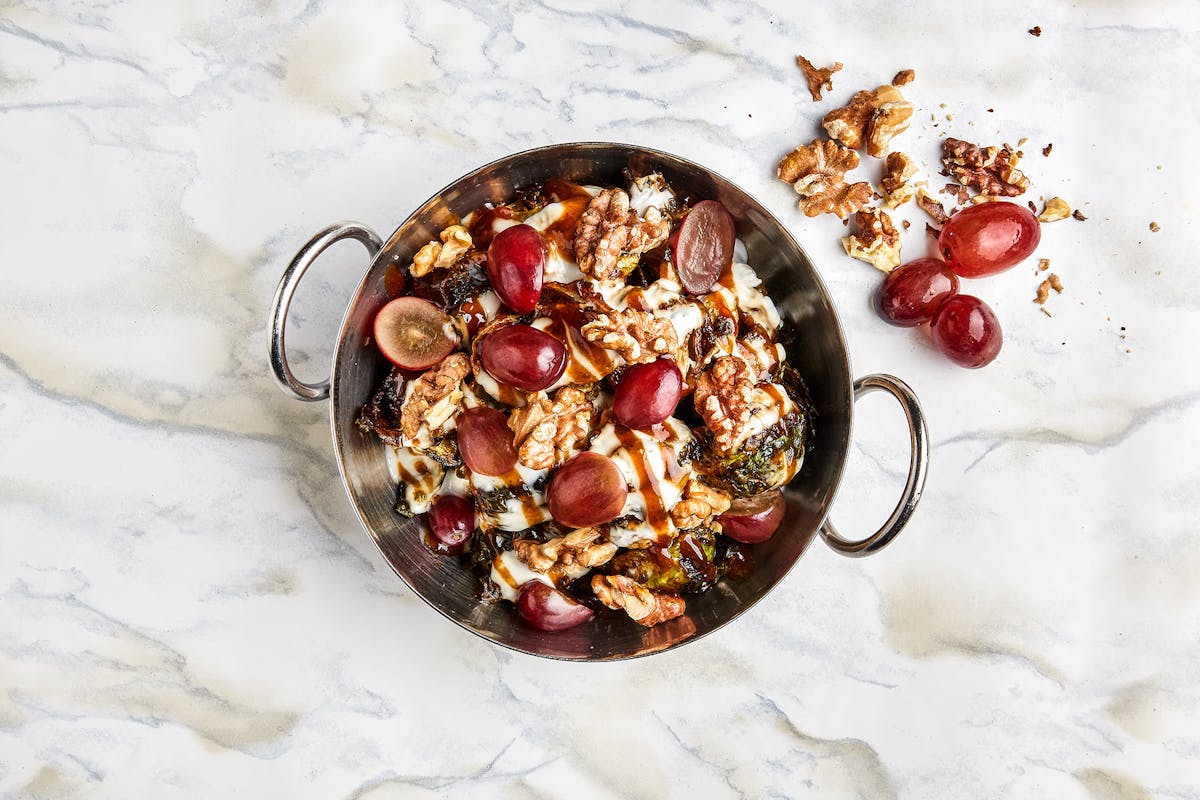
x=188, y=607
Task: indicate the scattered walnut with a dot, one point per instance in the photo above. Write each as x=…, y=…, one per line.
x=932, y=207
x=898, y=168
x=876, y=240
x=1043, y=292
x=723, y=396
x=547, y=431
x=932, y=231
x=1056, y=209
x=642, y=605
x=1155, y=227
x=989, y=171
x=1055, y=283
x=636, y=335
x=870, y=119
x=1077, y=214
x=699, y=505
x=1046, y=150
x=817, y=78
x=1043, y=264
x=610, y=229
x=1036, y=30
x=435, y=396
x=817, y=173
x=438, y=255
x=959, y=192
x=903, y=77
x=569, y=556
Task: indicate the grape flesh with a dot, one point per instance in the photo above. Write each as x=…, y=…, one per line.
x=988, y=238
x=913, y=292
x=967, y=331
x=413, y=333
x=704, y=246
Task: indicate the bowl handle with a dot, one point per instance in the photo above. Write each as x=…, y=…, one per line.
x=918, y=466
x=307, y=254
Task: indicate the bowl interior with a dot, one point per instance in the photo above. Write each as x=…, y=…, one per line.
x=815, y=347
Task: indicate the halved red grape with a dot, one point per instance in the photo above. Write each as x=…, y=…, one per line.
x=588, y=490
x=413, y=333
x=988, y=238
x=516, y=263
x=451, y=520
x=967, y=331
x=523, y=356
x=647, y=393
x=548, y=609
x=912, y=292
x=485, y=441
x=704, y=248
x=753, y=519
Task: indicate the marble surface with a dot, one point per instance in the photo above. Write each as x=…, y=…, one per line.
x=189, y=608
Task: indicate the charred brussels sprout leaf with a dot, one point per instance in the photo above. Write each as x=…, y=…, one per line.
x=381, y=415
x=763, y=462
x=687, y=565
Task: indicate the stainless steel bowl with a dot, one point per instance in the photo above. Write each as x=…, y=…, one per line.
x=815, y=346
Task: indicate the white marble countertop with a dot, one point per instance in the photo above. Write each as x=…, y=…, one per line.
x=189, y=608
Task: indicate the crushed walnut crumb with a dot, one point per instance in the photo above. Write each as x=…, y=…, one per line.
x=1043, y=264
x=1077, y=214
x=1036, y=30
x=1155, y=227
x=818, y=78
x=1046, y=150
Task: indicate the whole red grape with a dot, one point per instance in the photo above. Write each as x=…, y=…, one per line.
x=967, y=331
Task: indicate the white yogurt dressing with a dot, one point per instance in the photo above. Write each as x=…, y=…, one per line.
x=420, y=476
x=510, y=573
x=525, y=507
x=650, y=191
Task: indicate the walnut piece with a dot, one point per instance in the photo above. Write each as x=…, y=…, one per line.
x=932, y=207
x=635, y=335
x=1056, y=209
x=642, y=605
x=435, y=396
x=723, y=396
x=569, y=556
x=876, y=240
x=456, y=240
x=817, y=173
x=609, y=229
x=904, y=76
x=990, y=171
x=818, y=78
x=897, y=169
x=699, y=505
x=546, y=431
x=871, y=119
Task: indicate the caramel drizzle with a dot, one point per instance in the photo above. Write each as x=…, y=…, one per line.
x=656, y=513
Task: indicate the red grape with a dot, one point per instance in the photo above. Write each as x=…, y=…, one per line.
x=967, y=331
x=588, y=490
x=516, y=262
x=704, y=248
x=451, y=520
x=414, y=333
x=548, y=609
x=524, y=357
x=647, y=393
x=988, y=238
x=753, y=519
x=912, y=292
x=485, y=441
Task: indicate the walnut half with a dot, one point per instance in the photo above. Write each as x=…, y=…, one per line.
x=547, y=431
x=699, y=505
x=724, y=393
x=569, y=556
x=817, y=172
x=609, y=229
x=636, y=335
x=456, y=240
x=435, y=396
x=871, y=119
x=642, y=605
x=897, y=169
